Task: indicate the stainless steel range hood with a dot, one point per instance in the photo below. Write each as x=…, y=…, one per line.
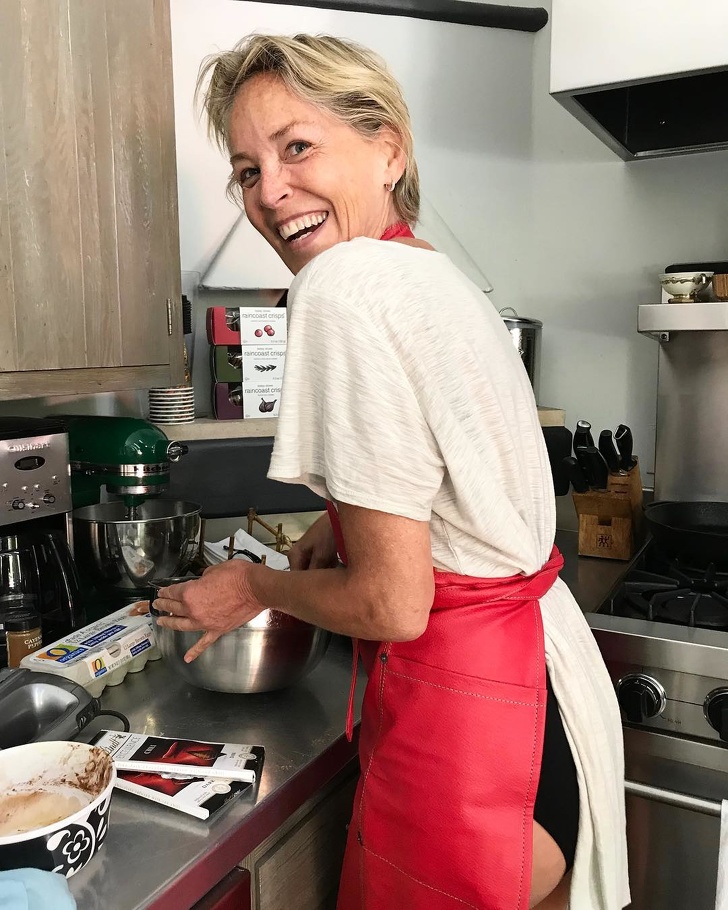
x=657, y=117
x=649, y=78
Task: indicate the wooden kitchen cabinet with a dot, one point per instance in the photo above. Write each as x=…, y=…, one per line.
x=90, y=296
x=299, y=865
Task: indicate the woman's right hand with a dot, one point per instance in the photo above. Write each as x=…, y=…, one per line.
x=316, y=549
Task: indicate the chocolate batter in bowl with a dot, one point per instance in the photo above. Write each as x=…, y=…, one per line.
x=54, y=805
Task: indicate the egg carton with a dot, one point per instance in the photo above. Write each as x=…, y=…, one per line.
x=100, y=654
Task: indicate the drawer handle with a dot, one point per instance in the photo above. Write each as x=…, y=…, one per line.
x=672, y=798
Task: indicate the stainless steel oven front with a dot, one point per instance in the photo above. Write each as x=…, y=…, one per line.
x=674, y=792
x=672, y=684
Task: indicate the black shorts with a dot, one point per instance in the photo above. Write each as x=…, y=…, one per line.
x=557, y=798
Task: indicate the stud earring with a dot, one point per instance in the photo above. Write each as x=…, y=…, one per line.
x=391, y=186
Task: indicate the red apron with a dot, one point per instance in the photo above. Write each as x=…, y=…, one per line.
x=450, y=751
x=450, y=748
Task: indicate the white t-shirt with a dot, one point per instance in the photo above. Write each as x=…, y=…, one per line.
x=404, y=393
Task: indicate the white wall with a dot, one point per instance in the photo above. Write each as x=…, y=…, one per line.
x=602, y=230
x=469, y=90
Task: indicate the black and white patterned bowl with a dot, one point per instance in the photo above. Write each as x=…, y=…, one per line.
x=64, y=768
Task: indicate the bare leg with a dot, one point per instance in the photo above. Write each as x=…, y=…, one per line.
x=559, y=897
x=549, y=885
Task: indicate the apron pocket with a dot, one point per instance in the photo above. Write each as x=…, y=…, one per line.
x=448, y=790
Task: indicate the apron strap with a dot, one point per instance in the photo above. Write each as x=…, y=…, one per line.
x=399, y=229
x=339, y=538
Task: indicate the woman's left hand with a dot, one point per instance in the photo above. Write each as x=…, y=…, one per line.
x=218, y=602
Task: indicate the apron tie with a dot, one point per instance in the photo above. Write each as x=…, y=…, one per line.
x=352, y=691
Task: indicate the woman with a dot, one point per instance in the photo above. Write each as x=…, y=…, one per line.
x=406, y=406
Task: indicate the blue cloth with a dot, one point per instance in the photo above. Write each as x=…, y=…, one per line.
x=33, y=889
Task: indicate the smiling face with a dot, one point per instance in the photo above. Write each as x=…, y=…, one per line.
x=308, y=180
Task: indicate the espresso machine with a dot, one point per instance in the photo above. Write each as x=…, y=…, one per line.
x=125, y=533
x=38, y=577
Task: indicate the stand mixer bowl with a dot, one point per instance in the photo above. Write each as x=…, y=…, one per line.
x=124, y=555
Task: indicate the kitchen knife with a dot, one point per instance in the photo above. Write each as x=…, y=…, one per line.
x=594, y=466
x=623, y=438
x=582, y=435
x=609, y=451
x=584, y=463
x=575, y=475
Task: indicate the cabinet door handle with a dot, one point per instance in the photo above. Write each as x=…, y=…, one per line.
x=673, y=798
x=169, y=315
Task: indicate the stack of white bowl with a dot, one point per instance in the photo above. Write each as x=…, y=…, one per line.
x=173, y=404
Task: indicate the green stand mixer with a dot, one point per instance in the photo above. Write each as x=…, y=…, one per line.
x=127, y=456
x=125, y=535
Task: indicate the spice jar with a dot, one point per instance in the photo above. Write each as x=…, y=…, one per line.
x=22, y=635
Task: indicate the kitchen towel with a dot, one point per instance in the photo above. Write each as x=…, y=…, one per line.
x=33, y=889
x=721, y=894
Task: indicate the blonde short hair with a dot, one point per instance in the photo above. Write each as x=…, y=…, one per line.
x=348, y=80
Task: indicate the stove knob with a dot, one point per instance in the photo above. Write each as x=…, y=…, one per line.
x=640, y=697
x=18, y=503
x=49, y=498
x=715, y=708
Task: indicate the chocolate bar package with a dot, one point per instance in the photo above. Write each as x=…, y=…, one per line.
x=198, y=796
x=189, y=757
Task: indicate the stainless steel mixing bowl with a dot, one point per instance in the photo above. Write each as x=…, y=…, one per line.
x=270, y=652
x=125, y=556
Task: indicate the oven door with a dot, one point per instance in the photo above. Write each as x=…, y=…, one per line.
x=674, y=792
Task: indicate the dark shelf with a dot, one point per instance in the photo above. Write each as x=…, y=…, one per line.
x=486, y=15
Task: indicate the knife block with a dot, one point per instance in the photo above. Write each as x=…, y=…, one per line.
x=631, y=484
x=610, y=521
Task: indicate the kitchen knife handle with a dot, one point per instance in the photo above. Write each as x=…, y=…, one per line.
x=582, y=435
x=609, y=451
x=594, y=466
x=585, y=464
x=623, y=438
x=576, y=475
x=600, y=470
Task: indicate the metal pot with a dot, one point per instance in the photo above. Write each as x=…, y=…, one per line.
x=272, y=651
x=526, y=335
x=696, y=532
x=126, y=555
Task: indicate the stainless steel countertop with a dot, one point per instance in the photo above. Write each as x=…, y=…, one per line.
x=160, y=859
x=156, y=857
x=589, y=578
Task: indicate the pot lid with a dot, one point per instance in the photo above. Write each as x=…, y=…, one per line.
x=517, y=320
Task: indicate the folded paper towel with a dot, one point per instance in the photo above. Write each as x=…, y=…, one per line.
x=218, y=552
x=33, y=889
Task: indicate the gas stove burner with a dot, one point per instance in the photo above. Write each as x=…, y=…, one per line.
x=708, y=579
x=688, y=572
x=665, y=589
x=664, y=600
x=679, y=594
x=683, y=607
x=649, y=582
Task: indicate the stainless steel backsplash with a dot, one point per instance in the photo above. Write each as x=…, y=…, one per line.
x=691, y=460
